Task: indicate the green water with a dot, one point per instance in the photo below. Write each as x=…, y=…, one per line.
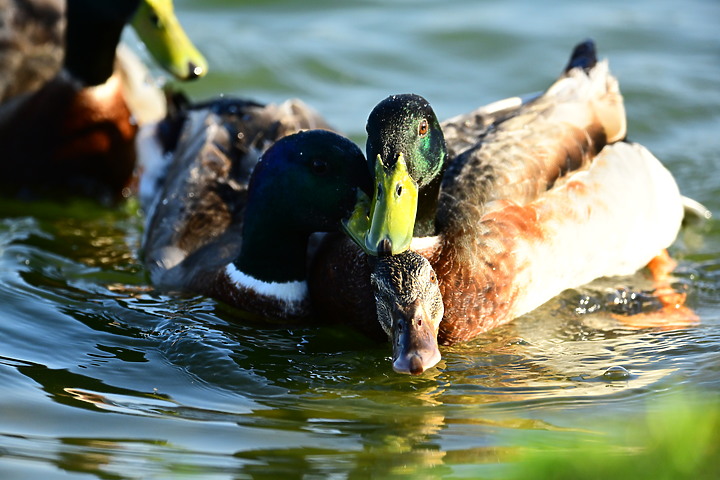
x=104, y=378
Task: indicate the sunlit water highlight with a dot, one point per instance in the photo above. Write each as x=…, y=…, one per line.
x=101, y=375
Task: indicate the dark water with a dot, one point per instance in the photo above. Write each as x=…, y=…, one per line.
x=104, y=378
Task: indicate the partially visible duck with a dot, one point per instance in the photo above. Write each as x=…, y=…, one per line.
x=65, y=121
x=235, y=228
x=533, y=204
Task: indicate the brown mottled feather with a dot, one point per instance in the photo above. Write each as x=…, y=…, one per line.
x=31, y=44
x=478, y=271
x=522, y=155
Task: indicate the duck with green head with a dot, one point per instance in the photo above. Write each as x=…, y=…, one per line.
x=65, y=80
x=407, y=146
x=407, y=152
x=226, y=225
x=404, y=135
x=525, y=201
x=408, y=155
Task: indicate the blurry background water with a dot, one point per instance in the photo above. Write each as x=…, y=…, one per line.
x=103, y=378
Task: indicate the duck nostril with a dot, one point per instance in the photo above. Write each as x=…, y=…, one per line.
x=384, y=247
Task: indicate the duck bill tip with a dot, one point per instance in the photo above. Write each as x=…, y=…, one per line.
x=414, y=363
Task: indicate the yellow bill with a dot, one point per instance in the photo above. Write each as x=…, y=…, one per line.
x=158, y=27
x=393, y=209
x=356, y=227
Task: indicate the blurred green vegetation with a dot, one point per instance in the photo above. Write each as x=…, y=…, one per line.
x=679, y=438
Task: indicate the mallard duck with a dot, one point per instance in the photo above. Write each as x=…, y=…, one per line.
x=404, y=135
x=540, y=201
x=228, y=226
x=65, y=121
x=36, y=40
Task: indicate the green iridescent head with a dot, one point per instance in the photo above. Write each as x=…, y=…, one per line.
x=306, y=182
x=406, y=151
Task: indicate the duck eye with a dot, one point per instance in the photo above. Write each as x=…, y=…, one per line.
x=319, y=166
x=423, y=128
x=433, y=277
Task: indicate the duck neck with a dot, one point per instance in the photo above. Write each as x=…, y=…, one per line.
x=271, y=252
x=92, y=35
x=427, y=209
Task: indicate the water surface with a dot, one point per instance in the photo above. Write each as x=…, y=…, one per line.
x=105, y=378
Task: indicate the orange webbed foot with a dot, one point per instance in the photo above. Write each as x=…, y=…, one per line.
x=674, y=313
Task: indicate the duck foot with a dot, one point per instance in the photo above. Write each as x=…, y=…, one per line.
x=670, y=312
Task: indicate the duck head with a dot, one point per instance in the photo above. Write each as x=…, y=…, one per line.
x=306, y=182
x=406, y=152
x=409, y=308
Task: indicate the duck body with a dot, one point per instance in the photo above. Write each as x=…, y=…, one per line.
x=549, y=134
x=223, y=225
x=533, y=207
x=68, y=133
x=66, y=124
x=609, y=218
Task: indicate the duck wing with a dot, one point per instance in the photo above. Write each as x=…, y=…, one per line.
x=608, y=220
x=464, y=131
x=532, y=143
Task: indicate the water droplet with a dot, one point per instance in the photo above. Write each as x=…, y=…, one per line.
x=616, y=373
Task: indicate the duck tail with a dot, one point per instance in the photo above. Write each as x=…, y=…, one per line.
x=584, y=56
x=587, y=79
